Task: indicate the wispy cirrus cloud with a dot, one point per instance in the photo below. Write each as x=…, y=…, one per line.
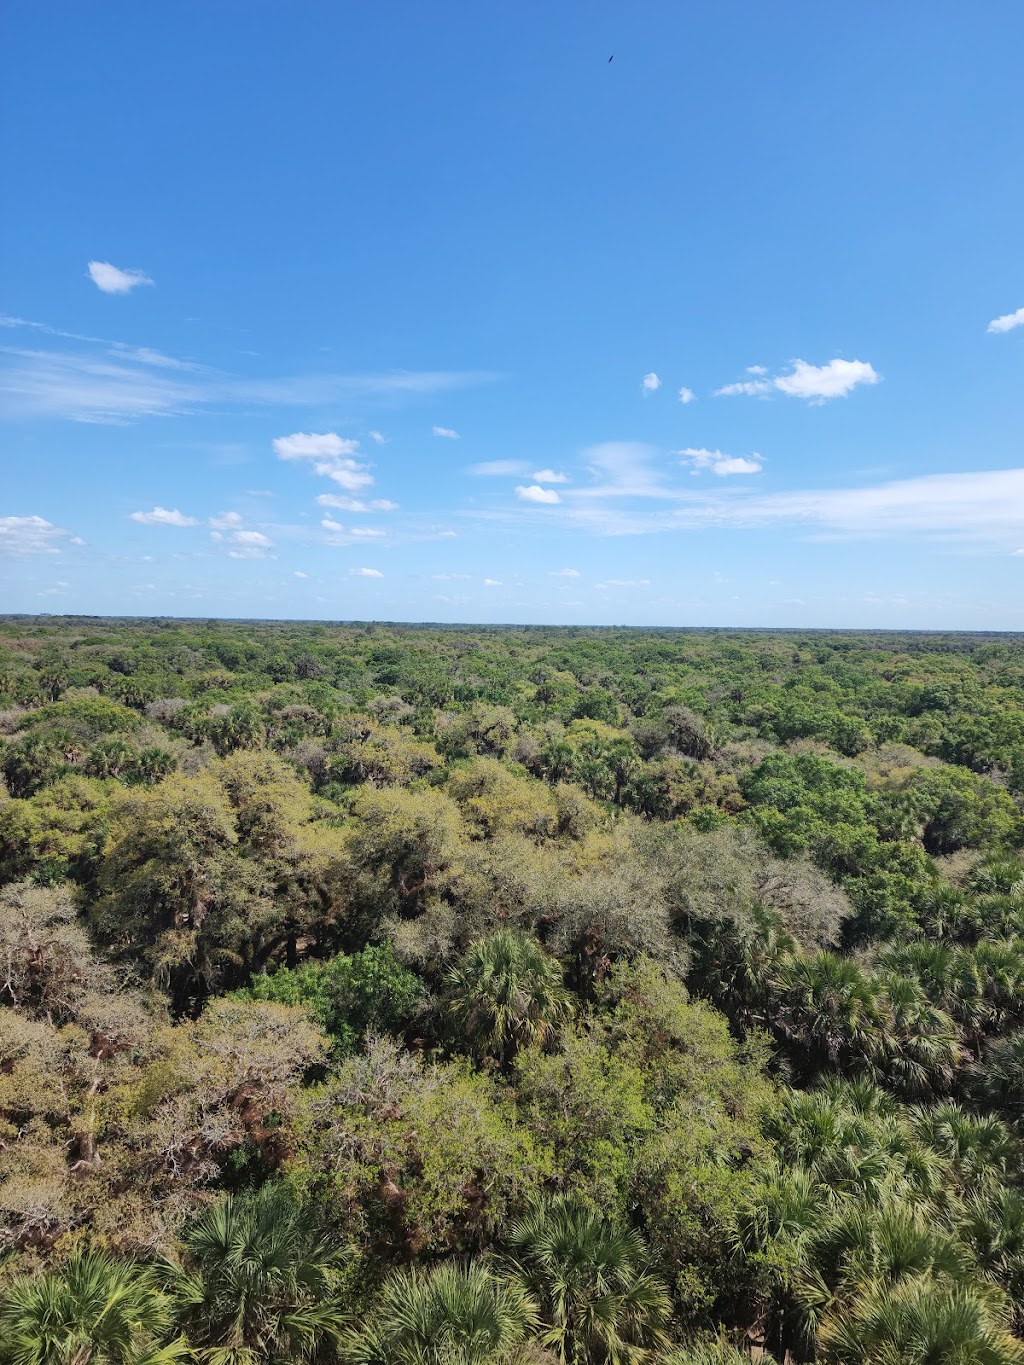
x=95, y=380
x=498, y=468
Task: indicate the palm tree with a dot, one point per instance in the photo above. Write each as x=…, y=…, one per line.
x=829, y=1011
x=506, y=992
x=261, y=1282
x=450, y=1315
x=599, y=1300
x=922, y=1321
x=93, y=1311
x=999, y=1079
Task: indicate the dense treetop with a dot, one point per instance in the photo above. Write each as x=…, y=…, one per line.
x=389, y=993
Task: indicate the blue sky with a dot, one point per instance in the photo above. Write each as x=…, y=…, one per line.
x=392, y=309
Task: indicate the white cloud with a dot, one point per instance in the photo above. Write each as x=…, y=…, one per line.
x=687, y=395
x=111, y=280
x=814, y=383
x=226, y=521
x=30, y=536
x=329, y=524
x=549, y=476
x=534, y=493
x=490, y=468
x=492, y=583
x=302, y=445
x=448, y=432
x=650, y=383
x=750, y=387
x=366, y=573
x=248, y=544
x=297, y=573
x=356, y=504
x=367, y=531
x=114, y=383
x=448, y=535
x=565, y=573
x=348, y=474
x=332, y=456
x=378, y=438
x=737, y=464
x=164, y=516
x=986, y=505
x=722, y=465
x=624, y=583
x=1007, y=322
x=822, y=382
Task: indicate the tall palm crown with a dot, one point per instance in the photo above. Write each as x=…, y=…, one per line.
x=261, y=1284
x=598, y=1297
x=506, y=992
x=450, y=1315
x=94, y=1311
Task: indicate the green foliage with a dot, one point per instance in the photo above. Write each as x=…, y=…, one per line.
x=349, y=996
x=512, y=995
x=260, y=1282
x=95, y=1308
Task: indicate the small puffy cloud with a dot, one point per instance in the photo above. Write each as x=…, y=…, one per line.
x=30, y=536
x=534, y=493
x=297, y=573
x=650, y=383
x=349, y=474
x=549, y=476
x=378, y=438
x=448, y=535
x=818, y=383
x=366, y=573
x=722, y=465
x=332, y=454
x=356, y=504
x=492, y=583
x=1007, y=322
x=313, y=445
x=687, y=395
x=565, y=573
x=111, y=280
x=449, y=433
x=366, y=532
x=226, y=521
x=494, y=468
x=248, y=544
x=329, y=524
x=164, y=516
x=756, y=369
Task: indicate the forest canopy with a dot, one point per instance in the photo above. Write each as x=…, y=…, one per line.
x=397, y=994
